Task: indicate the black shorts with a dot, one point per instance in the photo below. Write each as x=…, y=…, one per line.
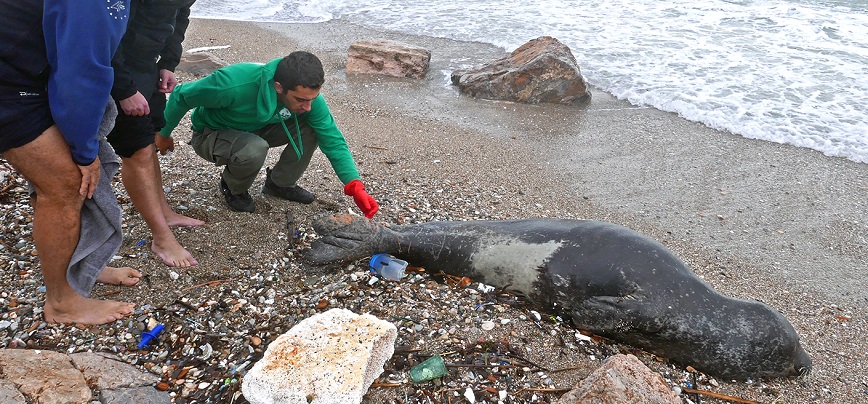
x=24, y=115
x=133, y=133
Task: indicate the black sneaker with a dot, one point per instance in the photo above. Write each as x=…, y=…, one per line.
x=295, y=194
x=238, y=203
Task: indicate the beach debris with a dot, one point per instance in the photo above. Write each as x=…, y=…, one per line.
x=388, y=267
x=207, y=48
x=432, y=368
x=718, y=396
x=147, y=337
x=468, y=394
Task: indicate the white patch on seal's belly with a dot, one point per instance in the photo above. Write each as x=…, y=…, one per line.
x=512, y=262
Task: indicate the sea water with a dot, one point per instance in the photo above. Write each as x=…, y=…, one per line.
x=786, y=71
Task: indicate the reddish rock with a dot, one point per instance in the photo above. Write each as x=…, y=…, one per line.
x=622, y=379
x=44, y=377
x=390, y=58
x=540, y=71
x=200, y=64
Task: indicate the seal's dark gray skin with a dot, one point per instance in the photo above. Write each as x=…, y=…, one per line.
x=608, y=279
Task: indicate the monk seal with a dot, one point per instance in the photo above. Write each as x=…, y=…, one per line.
x=606, y=278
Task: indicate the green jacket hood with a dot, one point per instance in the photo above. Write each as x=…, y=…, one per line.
x=267, y=103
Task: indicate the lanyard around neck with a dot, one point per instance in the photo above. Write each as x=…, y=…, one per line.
x=299, y=148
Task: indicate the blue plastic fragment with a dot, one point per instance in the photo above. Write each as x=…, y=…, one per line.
x=150, y=335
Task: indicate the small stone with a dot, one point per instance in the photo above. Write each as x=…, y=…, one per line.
x=468, y=394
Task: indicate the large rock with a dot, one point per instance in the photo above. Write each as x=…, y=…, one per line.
x=129, y=395
x=332, y=357
x=390, y=58
x=54, y=377
x=9, y=394
x=540, y=71
x=44, y=377
x=200, y=64
x=107, y=372
x=622, y=379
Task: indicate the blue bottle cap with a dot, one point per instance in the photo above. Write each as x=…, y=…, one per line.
x=378, y=261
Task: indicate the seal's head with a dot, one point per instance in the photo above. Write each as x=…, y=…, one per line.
x=715, y=334
x=771, y=345
x=751, y=340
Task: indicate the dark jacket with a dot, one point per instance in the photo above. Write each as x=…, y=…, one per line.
x=23, y=62
x=152, y=42
x=64, y=48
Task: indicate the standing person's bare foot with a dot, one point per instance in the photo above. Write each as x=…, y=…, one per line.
x=82, y=310
x=179, y=220
x=173, y=254
x=124, y=276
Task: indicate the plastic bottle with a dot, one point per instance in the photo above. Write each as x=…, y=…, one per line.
x=432, y=368
x=388, y=266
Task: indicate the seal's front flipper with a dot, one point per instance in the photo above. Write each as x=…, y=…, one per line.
x=330, y=249
x=607, y=315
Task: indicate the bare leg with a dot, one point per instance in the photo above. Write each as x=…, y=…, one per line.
x=146, y=192
x=173, y=219
x=46, y=163
x=124, y=276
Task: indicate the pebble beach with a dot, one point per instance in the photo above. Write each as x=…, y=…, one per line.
x=762, y=221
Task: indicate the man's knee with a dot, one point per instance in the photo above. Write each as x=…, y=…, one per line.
x=61, y=190
x=47, y=164
x=252, y=152
x=144, y=155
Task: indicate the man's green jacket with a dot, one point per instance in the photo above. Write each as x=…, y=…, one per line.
x=242, y=97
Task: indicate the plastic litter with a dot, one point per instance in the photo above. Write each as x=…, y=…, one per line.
x=147, y=337
x=387, y=266
x=432, y=368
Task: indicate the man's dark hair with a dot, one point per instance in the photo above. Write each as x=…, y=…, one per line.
x=299, y=68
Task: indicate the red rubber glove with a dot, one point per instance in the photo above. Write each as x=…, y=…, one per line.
x=364, y=201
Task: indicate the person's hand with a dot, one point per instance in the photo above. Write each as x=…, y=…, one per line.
x=164, y=144
x=167, y=81
x=136, y=105
x=368, y=205
x=89, y=178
